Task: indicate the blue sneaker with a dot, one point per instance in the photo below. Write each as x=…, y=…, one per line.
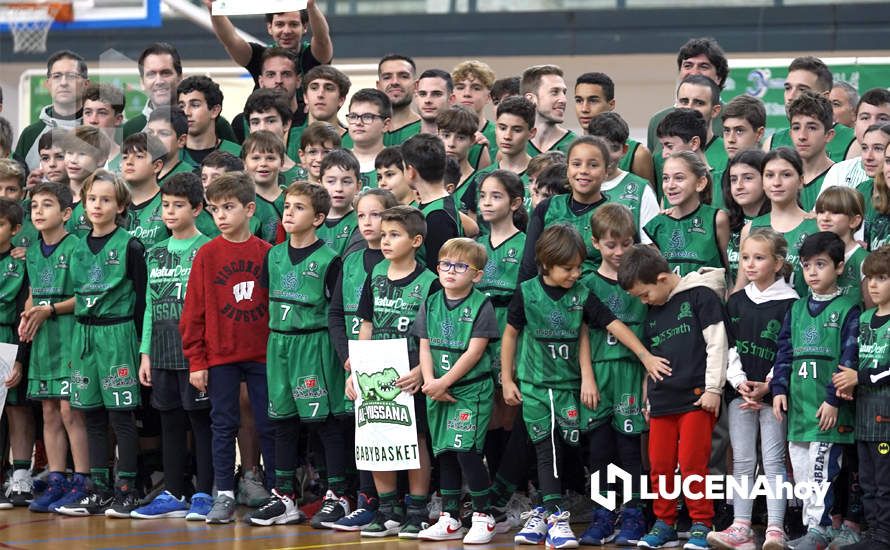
x=661, y=535
x=601, y=530
x=361, y=517
x=534, y=531
x=559, y=531
x=632, y=527
x=698, y=537
x=201, y=505
x=165, y=505
x=56, y=488
x=77, y=490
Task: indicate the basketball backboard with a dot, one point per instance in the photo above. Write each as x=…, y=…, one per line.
x=108, y=14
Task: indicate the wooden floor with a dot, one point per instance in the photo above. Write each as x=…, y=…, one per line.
x=22, y=529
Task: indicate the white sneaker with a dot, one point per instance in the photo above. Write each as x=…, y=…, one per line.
x=535, y=529
x=559, y=532
x=447, y=528
x=482, y=531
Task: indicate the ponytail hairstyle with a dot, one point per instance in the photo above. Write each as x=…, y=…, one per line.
x=699, y=170
x=777, y=243
x=515, y=190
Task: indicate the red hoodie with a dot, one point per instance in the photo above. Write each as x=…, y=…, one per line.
x=225, y=318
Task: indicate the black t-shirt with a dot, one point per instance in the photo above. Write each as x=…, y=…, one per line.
x=674, y=331
x=306, y=60
x=596, y=314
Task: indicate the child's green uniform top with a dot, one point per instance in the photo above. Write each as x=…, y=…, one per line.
x=617, y=371
x=627, y=161
x=268, y=215
x=488, y=130
x=629, y=192
x=12, y=286
x=222, y=145
x=816, y=341
x=850, y=281
x=301, y=282
x=795, y=238
x=178, y=168
x=499, y=282
x=28, y=234
x=168, y=265
x=449, y=326
x=447, y=204
x=104, y=348
x=873, y=393
x=368, y=179
x=563, y=208
x=688, y=243
x=401, y=135
x=336, y=232
x=77, y=224
x=733, y=251
x=877, y=225
x=810, y=192
x=49, y=272
x=836, y=149
x=562, y=144
x=146, y=222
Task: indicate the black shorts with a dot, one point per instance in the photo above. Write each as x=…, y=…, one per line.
x=423, y=425
x=170, y=389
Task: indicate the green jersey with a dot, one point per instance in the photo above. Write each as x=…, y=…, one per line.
x=369, y=180
x=222, y=145
x=101, y=287
x=715, y=153
x=28, y=234
x=559, y=209
x=401, y=135
x=816, y=343
x=850, y=281
x=268, y=215
x=810, y=192
x=501, y=273
x=629, y=310
x=627, y=160
x=690, y=242
x=836, y=148
x=871, y=399
x=795, y=238
x=548, y=356
x=562, y=144
x=396, y=306
x=450, y=330
x=733, y=249
x=354, y=277
x=146, y=222
x=179, y=168
x=205, y=224
x=336, y=232
x=77, y=224
x=168, y=266
x=488, y=130
x=447, y=204
x=461, y=190
x=14, y=280
x=629, y=192
x=297, y=300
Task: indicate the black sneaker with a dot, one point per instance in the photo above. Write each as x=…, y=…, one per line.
x=5, y=503
x=415, y=522
x=125, y=501
x=332, y=509
x=277, y=510
x=93, y=504
x=724, y=515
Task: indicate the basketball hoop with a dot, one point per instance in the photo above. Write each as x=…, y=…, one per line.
x=30, y=22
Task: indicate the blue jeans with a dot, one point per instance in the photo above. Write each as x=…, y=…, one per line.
x=224, y=387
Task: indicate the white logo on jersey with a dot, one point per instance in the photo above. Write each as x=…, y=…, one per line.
x=243, y=291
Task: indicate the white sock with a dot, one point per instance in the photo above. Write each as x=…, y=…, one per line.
x=230, y=494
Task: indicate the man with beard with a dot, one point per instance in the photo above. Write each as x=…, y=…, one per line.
x=545, y=86
x=396, y=76
x=279, y=72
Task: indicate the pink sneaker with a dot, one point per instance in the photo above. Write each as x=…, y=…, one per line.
x=775, y=539
x=736, y=537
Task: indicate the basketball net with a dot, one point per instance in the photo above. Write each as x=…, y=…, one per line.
x=30, y=25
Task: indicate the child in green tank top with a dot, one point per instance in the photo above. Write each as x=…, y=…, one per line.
x=745, y=200
x=693, y=234
x=142, y=157
x=818, y=336
x=811, y=130
x=840, y=210
x=341, y=177
x=263, y=154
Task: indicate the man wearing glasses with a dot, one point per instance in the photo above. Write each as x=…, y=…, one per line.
x=370, y=115
x=66, y=78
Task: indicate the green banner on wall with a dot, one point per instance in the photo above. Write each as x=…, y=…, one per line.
x=767, y=83
x=129, y=83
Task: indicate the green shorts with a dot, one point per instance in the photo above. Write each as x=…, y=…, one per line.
x=304, y=376
x=620, y=384
x=51, y=349
x=461, y=426
x=59, y=388
x=104, y=367
x=546, y=409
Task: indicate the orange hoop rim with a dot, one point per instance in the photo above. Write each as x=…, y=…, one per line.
x=62, y=12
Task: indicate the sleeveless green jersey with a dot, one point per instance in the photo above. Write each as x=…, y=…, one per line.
x=368, y=179
x=449, y=330
x=401, y=135
x=178, y=168
x=810, y=192
x=268, y=216
x=50, y=280
x=871, y=401
x=562, y=144
x=715, y=153
x=168, y=265
x=461, y=190
x=687, y=243
x=77, y=224
x=629, y=193
x=101, y=287
x=836, y=148
x=11, y=284
x=146, y=222
x=501, y=274
x=816, y=342
x=354, y=277
x=297, y=300
x=626, y=162
x=877, y=231
x=559, y=210
x=205, y=224
x=548, y=356
x=733, y=250
x=850, y=281
x=336, y=233
x=488, y=130
x=28, y=234
x=629, y=310
x=448, y=204
x=717, y=189
x=395, y=306
x=795, y=238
